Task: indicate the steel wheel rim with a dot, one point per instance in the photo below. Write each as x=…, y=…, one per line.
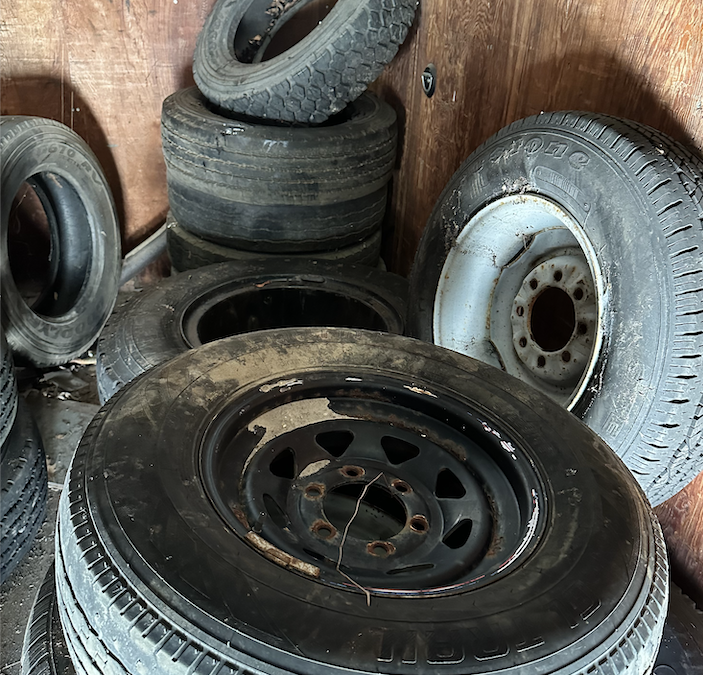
x=483, y=305
x=438, y=465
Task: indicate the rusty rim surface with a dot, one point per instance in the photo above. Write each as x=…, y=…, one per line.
x=364, y=482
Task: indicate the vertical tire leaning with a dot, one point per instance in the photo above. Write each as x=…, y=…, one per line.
x=85, y=255
x=568, y=249
x=8, y=391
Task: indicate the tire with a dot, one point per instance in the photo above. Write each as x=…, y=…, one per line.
x=188, y=251
x=44, y=651
x=232, y=298
x=8, y=391
x=681, y=650
x=278, y=189
x=81, y=284
x=314, y=79
x=158, y=568
x=614, y=209
x=23, y=488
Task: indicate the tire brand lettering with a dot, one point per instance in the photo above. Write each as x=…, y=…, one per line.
x=398, y=646
x=578, y=160
x=533, y=145
x=564, y=184
x=580, y=607
x=445, y=649
x=489, y=645
x=556, y=149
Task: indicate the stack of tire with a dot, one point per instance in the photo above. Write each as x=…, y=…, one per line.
x=287, y=156
x=51, y=322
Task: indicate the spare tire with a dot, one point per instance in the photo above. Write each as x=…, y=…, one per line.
x=568, y=250
x=61, y=319
x=327, y=501
x=187, y=251
x=312, y=80
x=273, y=189
x=213, y=302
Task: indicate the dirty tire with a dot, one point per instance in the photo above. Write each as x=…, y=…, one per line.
x=157, y=568
x=633, y=198
x=314, y=79
x=81, y=285
x=23, y=489
x=681, y=650
x=212, y=302
x=274, y=189
x=188, y=251
x=8, y=391
x=44, y=651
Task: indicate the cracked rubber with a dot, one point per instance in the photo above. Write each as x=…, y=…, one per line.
x=278, y=189
x=150, y=580
x=153, y=326
x=188, y=251
x=638, y=198
x=23, y=490
x=8, y=391
x=313, y=79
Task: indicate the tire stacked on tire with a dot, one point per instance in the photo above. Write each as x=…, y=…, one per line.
x=289, y=156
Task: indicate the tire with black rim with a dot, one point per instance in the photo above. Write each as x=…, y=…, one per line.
x=187, y=251
x=313, y=79
x=59, y=268
x=568, y=250
x=8, y=391
x=273, y=188
x=23, y=489
x=213, y=302
x=326, y=501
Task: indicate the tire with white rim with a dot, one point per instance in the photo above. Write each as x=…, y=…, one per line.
x=568, y=250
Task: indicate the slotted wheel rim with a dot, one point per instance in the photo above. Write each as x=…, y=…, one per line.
x=367, y=482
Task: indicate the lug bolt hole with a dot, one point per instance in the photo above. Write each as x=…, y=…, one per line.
x=323, y=529
x=523, y=342
x=314, y=491
x=582, y=329
x=401, y=486
x=566, y=357
x=533, y=284
x=520, y=310
x=578, y=293
x=381, y=549
x=352, y=471
x=419, y=524
x=558, y=275
x=541, y=361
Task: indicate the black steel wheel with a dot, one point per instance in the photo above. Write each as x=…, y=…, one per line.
x=326, y=501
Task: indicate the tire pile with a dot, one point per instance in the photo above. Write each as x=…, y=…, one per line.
x=279, y=481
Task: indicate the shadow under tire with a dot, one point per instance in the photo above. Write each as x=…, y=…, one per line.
x=178, y=529
x=579, y=237
x=84, y=260
x=213, y=302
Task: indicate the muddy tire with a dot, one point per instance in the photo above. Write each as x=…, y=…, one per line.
x=580, y=239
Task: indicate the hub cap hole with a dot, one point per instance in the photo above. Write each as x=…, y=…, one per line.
x=381, y=549
x=419, y=524
x=566, y=356
x=397, y=450
x=533, y=284
x=558, y=275
x=401, y=486
x=448, y=486
x=553, y=319
x=335, y=442
x=353, y=471
x=578, y=294
x=314, y=491
x=458, y=535
x=323, y=530
x=541, y=361
x=283, y=464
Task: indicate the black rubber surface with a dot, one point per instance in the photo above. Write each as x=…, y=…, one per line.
x=272, y=188
x=231, y=298
x=8, y=391
x=23, y=488
x=313, y=79
x=151, y=574
x=637, y=195
x=681, y=650
x=188, y=251
x=84, y=258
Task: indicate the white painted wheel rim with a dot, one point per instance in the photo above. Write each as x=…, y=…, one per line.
x=490, y=274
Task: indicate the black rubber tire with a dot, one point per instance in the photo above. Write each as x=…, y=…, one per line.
x=314, y=79
x=44, y=651
x=637, y=196
x=681, y=650
x=276, y=189
x=153, y=576
x=85, y=241
x=232, y=298
x=8, y=391
x=23, y=490
x=188, y=251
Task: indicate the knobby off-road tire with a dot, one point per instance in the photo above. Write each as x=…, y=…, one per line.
x=313, y=79
x=212, y=302
x=188, y=251
x=85, y=245
x=269, y=188
x=23, y=489
x=580, y=240
x=158, y=569
x=8, y=391
x=44, y=651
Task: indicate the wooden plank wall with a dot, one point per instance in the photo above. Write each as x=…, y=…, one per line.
x=104, y=67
